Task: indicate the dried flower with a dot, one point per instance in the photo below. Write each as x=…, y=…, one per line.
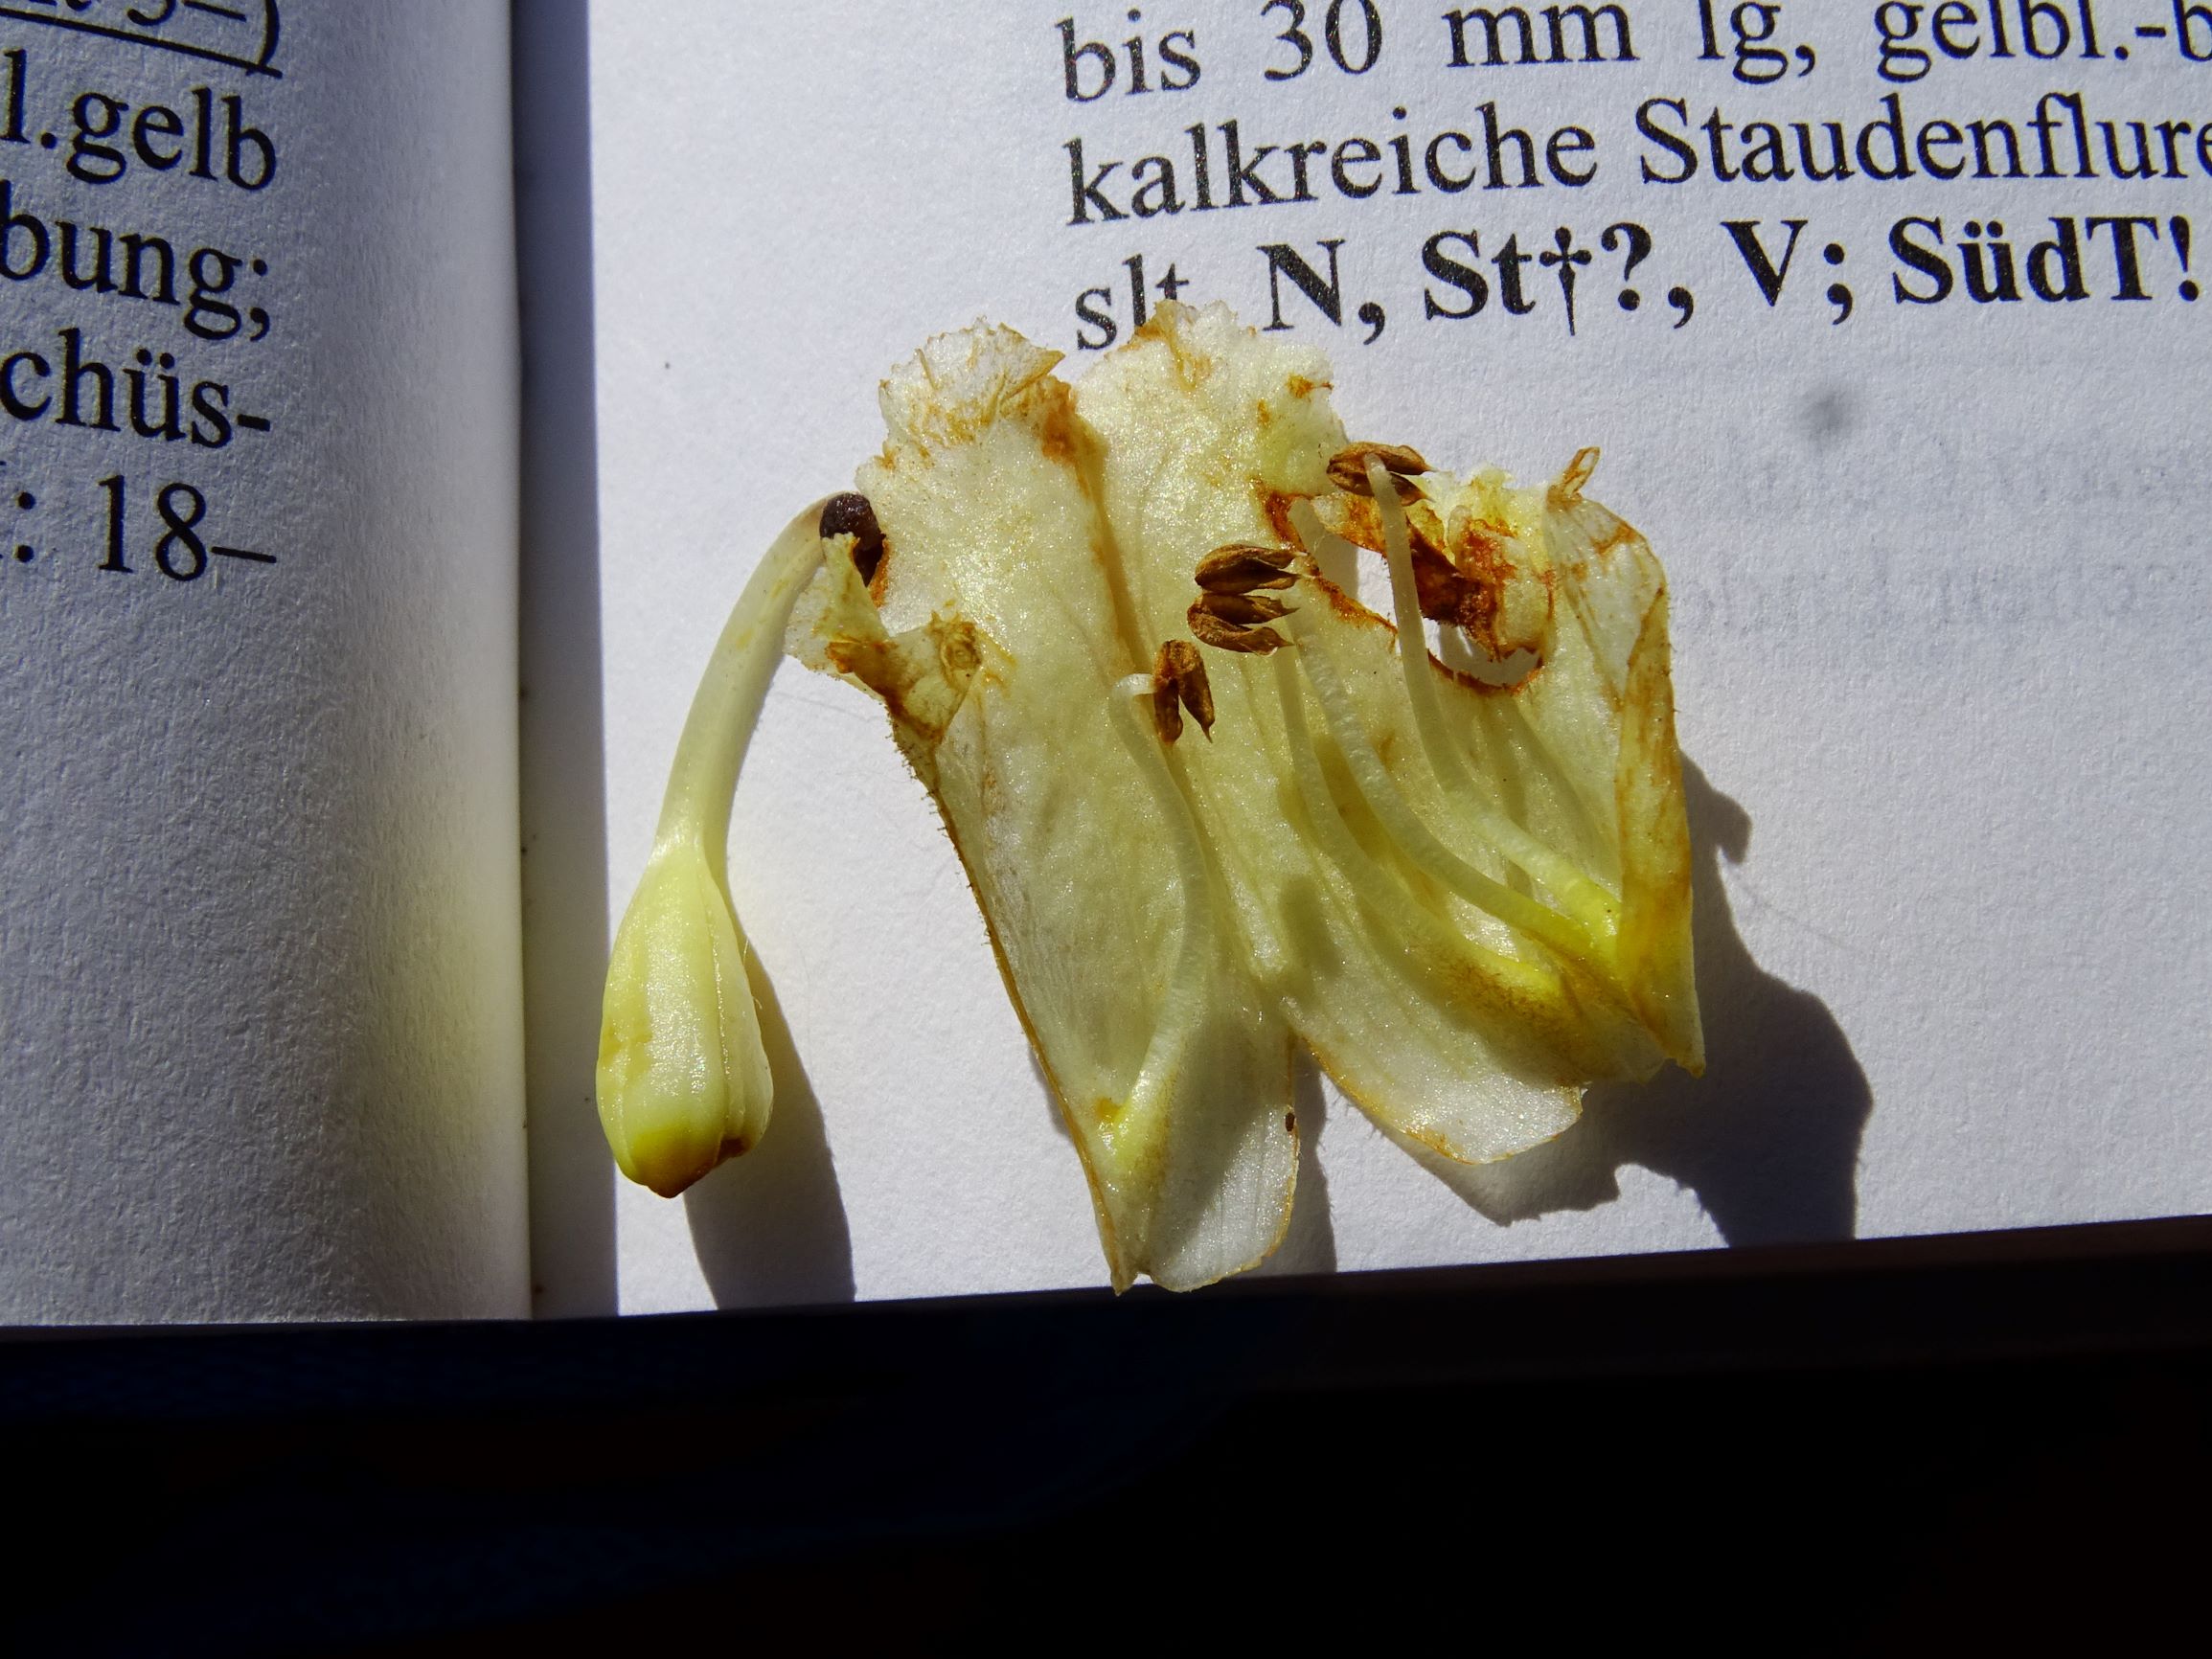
x=1467, y=895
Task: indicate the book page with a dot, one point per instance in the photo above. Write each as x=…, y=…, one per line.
x=1888, y=321
x=258, y=912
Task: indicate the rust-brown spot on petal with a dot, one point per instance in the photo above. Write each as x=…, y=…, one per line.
x=1472, y=575
x=1058, y=434
x=1275, y=507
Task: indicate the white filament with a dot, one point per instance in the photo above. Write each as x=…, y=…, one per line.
x=1374, y=886
x=1186, y=993
x=1439, y=862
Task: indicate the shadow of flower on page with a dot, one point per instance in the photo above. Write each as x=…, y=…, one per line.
x=770, y=1228
x=1768, y=1139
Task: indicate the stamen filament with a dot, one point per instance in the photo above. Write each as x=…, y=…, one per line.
x=1185, y=1000
x=1532, y=743
x=1580, y=896
x=1405, y=826
x=1374, y=886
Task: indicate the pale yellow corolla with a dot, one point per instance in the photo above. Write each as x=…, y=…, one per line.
x=1459, y=878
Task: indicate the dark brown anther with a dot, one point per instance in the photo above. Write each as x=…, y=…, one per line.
x=1179, y=673
x=851, y=514
x=1244, y=609
x=1166, y=718
x=1348, y=469
x=1242, y=566
x=1209, y=629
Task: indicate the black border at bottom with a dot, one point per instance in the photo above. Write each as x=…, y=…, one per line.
x=1977, y=1437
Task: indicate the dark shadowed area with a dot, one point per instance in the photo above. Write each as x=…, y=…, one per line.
x=563, y=812
x=1768, y=1138
x=769, y=1227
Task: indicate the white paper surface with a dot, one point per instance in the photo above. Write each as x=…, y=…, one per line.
x=258, y=1002
x=1939, y=574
